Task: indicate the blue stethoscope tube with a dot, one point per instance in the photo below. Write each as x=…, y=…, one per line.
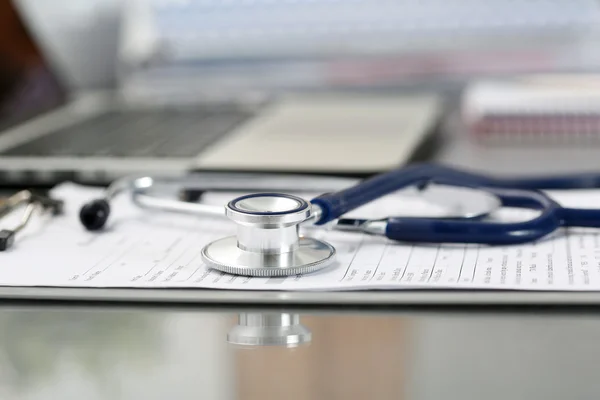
x=512, y=192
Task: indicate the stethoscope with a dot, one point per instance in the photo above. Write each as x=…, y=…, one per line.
x=268, y=241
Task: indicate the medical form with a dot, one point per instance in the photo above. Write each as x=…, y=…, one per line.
x=144, y=249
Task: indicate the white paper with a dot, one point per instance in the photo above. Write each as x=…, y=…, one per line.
x=150, y=250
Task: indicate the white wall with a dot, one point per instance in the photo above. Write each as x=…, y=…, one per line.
x=80, y=36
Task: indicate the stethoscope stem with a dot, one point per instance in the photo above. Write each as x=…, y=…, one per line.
x=147, y=201
x=140, y=195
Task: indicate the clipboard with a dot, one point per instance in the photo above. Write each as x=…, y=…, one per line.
x=120, y=292
x=235, y=298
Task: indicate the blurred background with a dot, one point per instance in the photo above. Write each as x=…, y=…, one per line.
x=314, y=43
x=92, y=90
x=478, y=82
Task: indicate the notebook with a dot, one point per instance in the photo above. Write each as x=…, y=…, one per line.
x=540, y=110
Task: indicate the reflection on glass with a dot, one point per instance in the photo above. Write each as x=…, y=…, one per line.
x=269, y=329
x=350, y=357
x=38, y=347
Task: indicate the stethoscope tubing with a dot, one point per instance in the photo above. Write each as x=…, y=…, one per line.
x=435, y=230
x=351, y=194
x=337, y=204
x=519, y=193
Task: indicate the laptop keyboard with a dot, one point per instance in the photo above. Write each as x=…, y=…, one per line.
x=137, y=133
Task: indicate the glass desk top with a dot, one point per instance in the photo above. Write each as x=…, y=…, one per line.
x=185, y=353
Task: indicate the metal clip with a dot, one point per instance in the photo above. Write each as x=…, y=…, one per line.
x=33, y=202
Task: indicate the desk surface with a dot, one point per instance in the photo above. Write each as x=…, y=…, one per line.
x=143, y=353
x=119, y=353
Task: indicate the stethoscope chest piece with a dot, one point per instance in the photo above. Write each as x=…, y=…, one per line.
x=268, y=243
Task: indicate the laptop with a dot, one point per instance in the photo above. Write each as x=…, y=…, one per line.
x=49, y=134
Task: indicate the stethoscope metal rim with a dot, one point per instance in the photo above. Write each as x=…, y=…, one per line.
x=301, y=204
x=268, y=218
x=310, y=256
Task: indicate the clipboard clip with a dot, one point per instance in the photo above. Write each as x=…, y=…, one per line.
x=33, y=203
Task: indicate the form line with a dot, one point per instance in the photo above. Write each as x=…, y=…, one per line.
x=407, y=262
x=193, y=273
x=437, y=254
x=120, y=256
x=379, y=262
x=353, y=257
x=475, y=266
x=97, y=263
x=462, y=263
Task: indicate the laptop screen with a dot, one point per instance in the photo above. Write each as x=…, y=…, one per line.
x=28, y=86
